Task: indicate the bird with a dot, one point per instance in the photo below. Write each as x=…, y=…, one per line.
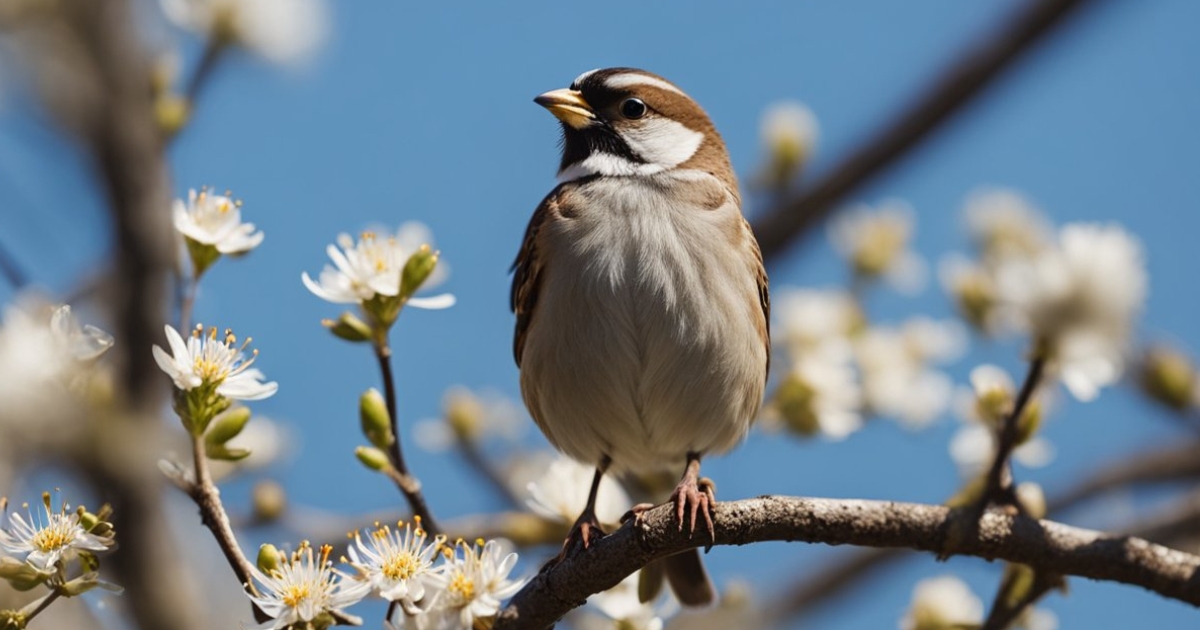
x=641, y=301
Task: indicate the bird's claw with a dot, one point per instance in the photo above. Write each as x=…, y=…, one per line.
x=693, y=497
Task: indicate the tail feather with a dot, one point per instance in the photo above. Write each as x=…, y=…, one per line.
x=688, y=579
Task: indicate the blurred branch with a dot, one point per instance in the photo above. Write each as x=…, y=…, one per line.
x=94, y=76
x=11, y=269
x=1044, y=545
x=1172, y=463
x=973, y=71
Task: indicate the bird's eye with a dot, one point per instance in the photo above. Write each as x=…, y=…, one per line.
x=633, y=108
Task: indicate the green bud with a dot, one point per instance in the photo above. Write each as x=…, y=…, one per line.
x=417, y=270
x=1029, y=422
x=794, y=402
x=1169, y=377
x=269, y=500
x=223, y=453
x=268, y=558
x=226, y=426
x=348, y=327
x=376, y=423
x=464, y=413
x=372, y=458
x=80, y=585
x=21, y=575
x=172, y=113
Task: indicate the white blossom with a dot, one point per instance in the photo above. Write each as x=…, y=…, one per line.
x=46, y=361
x=876, y=243
x=808, y=318
x=473, y=585
x=974, y=445
x=279, y=30
x=561, y=493
x=621, y=609
x=216, y=221
x=397, y=563
x=820, y=394
x=50, y=537
x=206, y=360
x=304, y=586
x=942, y=603
x=372, y=266
x=1080, y=299
x=1003, y=224
x=896, y=364
x=789, y=133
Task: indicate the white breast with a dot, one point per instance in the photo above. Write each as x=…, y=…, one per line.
x=646, y=344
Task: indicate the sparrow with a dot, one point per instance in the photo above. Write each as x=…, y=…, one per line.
x=640, y=297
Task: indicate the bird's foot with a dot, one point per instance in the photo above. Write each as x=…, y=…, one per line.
x=584, y=532
x=693, y=496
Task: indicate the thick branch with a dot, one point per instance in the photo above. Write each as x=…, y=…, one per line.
x=973, y=71
x=1046, y=545
x=1171, y=463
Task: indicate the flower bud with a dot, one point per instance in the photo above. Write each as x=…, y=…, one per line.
x=172, y=113
x=268, y=558
x=372, y=458
x=21, y=575
x=348, y=327
x=226, y=426
x=794, y=402
x=376, y=423
x=464, y=413
x=1169, y=377
x=1029, y=422
x=269, y=500
x=417, y=270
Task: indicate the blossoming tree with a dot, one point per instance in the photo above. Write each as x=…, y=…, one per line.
x=89, y=403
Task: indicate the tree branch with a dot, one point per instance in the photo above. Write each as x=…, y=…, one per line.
x=1045, y=545
x=975, y=70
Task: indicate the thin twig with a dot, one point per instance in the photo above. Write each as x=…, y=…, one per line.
x=204, y=492
x=972, y=71
x=43, y=604
x=1044, y=545
x=1007, y=438
x=409, y=485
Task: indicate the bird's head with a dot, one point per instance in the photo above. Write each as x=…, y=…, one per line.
x=629, y=122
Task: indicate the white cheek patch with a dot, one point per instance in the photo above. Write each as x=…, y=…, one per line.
x=630, y=79
x=663, y=141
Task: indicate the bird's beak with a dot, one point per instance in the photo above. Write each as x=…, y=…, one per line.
x=568, y=106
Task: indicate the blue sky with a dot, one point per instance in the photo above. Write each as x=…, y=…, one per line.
x=423, y=111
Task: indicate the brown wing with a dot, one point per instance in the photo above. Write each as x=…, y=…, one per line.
x=527, y=271
x=764, y=293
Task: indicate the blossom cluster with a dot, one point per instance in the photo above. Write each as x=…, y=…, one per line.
x=432, y=583
x=1074, y=293
x=842, y=368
